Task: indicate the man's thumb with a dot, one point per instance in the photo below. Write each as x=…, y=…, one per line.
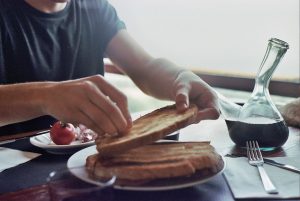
x=182, y=99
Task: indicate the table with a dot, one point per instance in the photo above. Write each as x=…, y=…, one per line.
x=29, y=178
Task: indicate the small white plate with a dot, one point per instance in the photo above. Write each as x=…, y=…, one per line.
x=79, y=158
x=43, y=141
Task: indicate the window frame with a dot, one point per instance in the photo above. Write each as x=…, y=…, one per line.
x=276, y=87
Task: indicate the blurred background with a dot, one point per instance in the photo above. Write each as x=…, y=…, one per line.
x=218, y=37
x=222, y=35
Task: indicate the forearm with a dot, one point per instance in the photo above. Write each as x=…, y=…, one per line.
x=20, y=102
x=157, y=78
x=153, y=76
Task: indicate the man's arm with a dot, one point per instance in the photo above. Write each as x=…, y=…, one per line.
x=141, y=67
x=19, y=102
x=90, y=101
x=162, y=78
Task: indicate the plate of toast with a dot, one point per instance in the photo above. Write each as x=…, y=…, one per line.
x=141, y=161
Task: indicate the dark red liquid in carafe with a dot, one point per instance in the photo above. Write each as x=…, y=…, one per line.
x=268, y=134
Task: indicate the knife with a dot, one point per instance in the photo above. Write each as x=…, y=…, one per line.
x=272, y=162
x=7, y=141
x=281, y=165
x=26, y=135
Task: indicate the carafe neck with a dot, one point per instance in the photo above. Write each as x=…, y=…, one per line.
x=274, y=53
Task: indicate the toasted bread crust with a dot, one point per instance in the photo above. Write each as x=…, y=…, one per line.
x=147, y=129
x=156, y=161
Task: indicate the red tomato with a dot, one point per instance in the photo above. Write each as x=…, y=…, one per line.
x=62, y=133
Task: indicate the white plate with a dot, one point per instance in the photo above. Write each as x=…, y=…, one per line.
x=79, y=158
x=43, y=141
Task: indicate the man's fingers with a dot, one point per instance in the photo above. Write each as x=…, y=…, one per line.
x=208, y=106
x=123, y=106
x=84, y=119
x=182, y=99
x=83, y=101
x=115, y=96
x=104, y=120
x=107, y=112
x=207, y=113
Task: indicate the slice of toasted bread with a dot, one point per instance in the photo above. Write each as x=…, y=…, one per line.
x=156, y=161
x=146, y=130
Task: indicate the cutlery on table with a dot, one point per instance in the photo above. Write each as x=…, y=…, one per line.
x=6, y=141
x=255, y=158
x=13, y=138
x=271, y=162
x=281, y=165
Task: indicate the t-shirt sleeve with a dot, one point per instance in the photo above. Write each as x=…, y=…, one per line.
x=110, y=21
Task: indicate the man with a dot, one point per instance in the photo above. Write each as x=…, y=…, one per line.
x=51, y=67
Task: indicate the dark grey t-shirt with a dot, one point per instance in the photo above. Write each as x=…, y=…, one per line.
x=69, y=44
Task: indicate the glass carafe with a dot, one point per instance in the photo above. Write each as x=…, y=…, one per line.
x=259, y=119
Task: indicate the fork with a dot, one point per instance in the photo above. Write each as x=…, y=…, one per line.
x=255, y=158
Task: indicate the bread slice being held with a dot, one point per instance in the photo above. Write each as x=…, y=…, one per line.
x=157, y=161
x=147, y=129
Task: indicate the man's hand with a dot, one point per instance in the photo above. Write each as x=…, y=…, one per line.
x=90, y=101
x=189, y=87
